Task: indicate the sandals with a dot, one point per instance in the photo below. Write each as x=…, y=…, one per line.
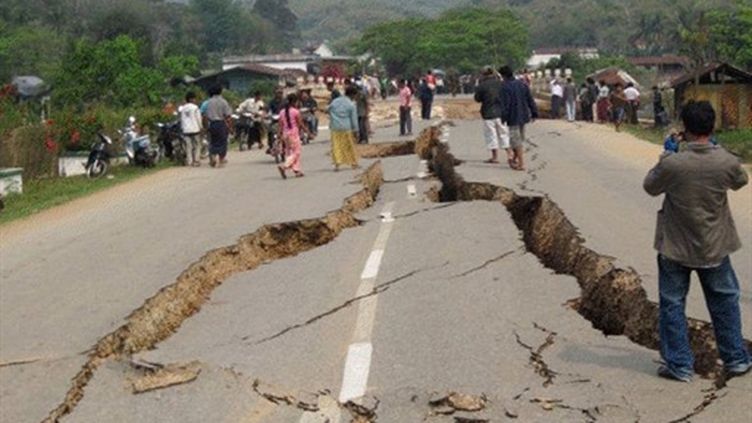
x=282, y=172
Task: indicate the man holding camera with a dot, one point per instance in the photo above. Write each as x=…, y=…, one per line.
x=696, y=232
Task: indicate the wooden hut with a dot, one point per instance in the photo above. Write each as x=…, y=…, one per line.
x=240, y=79
x=727, y=88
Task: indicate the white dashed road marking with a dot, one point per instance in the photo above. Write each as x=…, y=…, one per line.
x=358, y=362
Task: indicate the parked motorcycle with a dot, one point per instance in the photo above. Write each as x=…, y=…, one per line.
x=170, y=141
x=99, y=157
x=138, y=148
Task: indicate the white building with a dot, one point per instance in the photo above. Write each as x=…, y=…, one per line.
x=276, y=61
x=542, y=56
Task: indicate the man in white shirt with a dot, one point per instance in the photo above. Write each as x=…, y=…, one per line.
x=633, y=102
x=251, y=117
x=557, y=95
x=190, y=124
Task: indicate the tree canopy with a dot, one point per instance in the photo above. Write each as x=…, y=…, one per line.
x=465, y=39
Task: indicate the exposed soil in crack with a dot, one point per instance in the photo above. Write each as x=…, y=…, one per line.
x=162, y=314
x=385, y=149
x=612, y=299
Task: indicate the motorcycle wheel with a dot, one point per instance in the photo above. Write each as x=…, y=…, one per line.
x=97, y=169
x=181, y=157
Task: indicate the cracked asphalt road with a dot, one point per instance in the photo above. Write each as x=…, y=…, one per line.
x=460, y=301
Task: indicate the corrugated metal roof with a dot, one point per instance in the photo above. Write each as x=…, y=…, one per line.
x=709, y=69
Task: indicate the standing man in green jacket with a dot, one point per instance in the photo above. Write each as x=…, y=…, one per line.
x=696, y=232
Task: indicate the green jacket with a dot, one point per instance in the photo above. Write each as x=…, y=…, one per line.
x=695, y=226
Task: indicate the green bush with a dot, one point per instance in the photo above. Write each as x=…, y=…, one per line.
x=31, y=147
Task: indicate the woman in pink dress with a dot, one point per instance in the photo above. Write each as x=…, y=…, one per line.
x=290, y=125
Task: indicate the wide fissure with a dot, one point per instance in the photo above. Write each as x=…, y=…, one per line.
x=612, y=299
x=163, y=314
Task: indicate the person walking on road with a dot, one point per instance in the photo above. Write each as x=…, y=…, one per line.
x=290, y=125
x=518, y=109
x=361, y=102
x=425, y=95
x=570, y=100
x=191, y=126
x=310, y=108
x=488, y=94
x=557, y=94
x=696, y=232
x=603, y=104
x=218, y=113
x=618, y=103
x=343, y=123
x=405, y=108
x=633, y=103
x=588, y=97
x=659, y=112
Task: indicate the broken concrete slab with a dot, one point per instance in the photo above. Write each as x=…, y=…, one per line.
x=218, y=395
x=165, y=377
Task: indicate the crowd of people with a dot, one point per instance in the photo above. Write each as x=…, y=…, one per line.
x=281, y=126
x=601, y=102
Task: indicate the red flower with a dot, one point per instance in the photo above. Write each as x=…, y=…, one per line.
x=50, y=144
x=50, y=122
x=75, y=137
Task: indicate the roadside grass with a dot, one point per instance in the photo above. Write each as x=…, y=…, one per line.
x=737, y=141
x=43, y=194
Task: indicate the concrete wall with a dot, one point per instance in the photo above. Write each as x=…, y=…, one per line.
x=72, y=164
x=11, y=181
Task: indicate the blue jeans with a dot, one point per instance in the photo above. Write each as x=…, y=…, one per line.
x=721, y=289
x=571, y=110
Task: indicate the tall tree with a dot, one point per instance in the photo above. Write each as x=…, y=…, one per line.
x=463, y=38
x=279, y=15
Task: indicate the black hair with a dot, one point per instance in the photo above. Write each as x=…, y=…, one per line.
x=655, y=87
x=215, y=89
x=190, y=96
x=698, y=117
x=590, y=80
x=351, y=91
x=506, y=72
x=629, y=85
x=569, y=79
x=257, y=93
x=292, y=99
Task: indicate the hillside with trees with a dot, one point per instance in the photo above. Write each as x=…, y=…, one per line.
x=626, y=27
